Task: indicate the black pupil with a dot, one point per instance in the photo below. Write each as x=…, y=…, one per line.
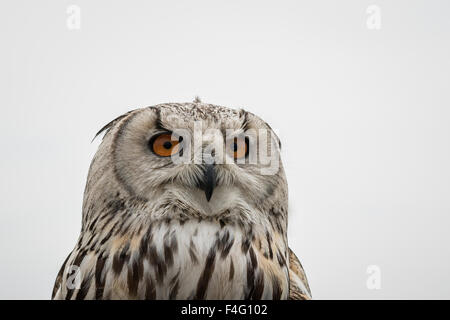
x=167, y=145
x=235, y=147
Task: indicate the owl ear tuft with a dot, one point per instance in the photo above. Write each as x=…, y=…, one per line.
x=197, y=99
x=110, y=124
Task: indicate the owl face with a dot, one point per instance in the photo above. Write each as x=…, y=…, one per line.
x=205, y=157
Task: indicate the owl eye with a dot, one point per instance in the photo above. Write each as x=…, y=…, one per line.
x=164, y=145
x=238, y=148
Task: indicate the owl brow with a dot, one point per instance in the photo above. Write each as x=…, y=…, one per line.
x=158, y=123
x=246, y=122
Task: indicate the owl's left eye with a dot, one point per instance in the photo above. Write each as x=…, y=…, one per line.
x=238, y=148
x=164, y=145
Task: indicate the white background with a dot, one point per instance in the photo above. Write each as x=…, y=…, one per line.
x=363, y=115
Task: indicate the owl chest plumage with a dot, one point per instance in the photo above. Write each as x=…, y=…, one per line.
x=210, y=260
x=176, y=259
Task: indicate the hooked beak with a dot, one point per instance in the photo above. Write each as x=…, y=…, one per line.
x=209, y=180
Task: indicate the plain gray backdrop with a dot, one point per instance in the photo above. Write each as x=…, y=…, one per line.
x=363, y=115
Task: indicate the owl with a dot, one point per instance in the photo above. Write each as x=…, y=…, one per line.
x=184, y=201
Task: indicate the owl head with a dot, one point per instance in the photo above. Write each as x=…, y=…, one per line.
x=199, y=157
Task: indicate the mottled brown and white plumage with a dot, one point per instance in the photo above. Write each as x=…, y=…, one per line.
x=149, y=232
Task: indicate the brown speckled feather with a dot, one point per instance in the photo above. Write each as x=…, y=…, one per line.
x=298, y=290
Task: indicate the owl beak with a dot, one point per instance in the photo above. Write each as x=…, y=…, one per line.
x=209, y=180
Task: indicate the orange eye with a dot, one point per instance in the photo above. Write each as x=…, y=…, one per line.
x=238, y=148
x=163, y=145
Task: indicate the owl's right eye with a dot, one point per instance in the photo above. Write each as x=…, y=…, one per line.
x=164, y=145
x=238, y=148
